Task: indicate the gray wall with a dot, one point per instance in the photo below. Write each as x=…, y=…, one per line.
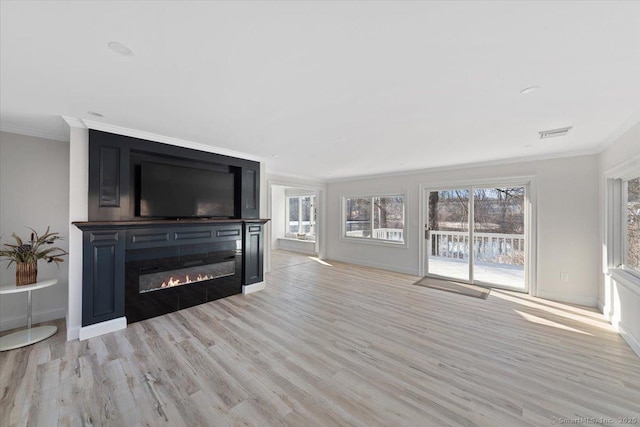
x=34, y=192
x=567, y=221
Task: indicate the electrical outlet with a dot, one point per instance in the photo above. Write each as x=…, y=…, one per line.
x=564, y=277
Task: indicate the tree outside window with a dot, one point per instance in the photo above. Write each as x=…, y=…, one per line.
x=375, y=218
x=632, y=258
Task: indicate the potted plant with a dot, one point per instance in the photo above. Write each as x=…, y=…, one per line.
x=26, y=254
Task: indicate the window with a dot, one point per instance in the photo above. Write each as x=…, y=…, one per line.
x=622, y=248
x=631, y=258
x=379, y=218
x=301, y=216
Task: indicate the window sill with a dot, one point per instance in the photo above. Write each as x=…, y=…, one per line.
x=375, y=242
x=295, y=239
x=626, y=278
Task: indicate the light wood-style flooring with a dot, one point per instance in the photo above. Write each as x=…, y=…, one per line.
x=332, y=345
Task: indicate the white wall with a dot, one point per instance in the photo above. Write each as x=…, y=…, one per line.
x=277, y=215
x=567, y=229
x=567, y=212
x=34, y=186
x=619, y=299
x=78, y=191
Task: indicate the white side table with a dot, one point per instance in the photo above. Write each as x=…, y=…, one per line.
x=30, y=335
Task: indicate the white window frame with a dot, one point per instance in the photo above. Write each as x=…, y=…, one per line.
x=531, y=203
x=312, y=219
x=616, y=220
x=372, y=240
x=625, y=235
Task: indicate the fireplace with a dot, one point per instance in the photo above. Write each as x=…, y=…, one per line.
x=118, y=280
x=192, y=272
x=161, y=280
x=135, y=270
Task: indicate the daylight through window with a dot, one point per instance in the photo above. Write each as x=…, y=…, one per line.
x=301, y=218
x=632, y=253
x=375, y=218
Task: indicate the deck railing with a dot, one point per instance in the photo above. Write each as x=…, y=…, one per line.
x=489, y=247
x=393, y=234
x=388, y=233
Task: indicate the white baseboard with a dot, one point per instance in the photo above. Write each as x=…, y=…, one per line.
x=387, y=267
x=568, y=298
x=307, y=247
x=73, y=333
x=634, y=342
x=249, y=289
x=20, y=321
x=605, y=310
x=102, y=328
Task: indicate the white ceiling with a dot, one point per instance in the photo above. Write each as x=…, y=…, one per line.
x=333, y=89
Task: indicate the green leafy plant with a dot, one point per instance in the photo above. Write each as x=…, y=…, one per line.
x=38, y=247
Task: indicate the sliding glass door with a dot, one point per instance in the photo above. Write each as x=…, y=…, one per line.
x=499, y=236
x=448, y=232
x=478, y=235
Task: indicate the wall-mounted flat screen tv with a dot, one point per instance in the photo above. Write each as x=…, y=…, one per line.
x=171, y=191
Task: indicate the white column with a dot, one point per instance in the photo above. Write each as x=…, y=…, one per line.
x=78, y=211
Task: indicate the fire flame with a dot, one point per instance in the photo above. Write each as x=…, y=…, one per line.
x=177, y=282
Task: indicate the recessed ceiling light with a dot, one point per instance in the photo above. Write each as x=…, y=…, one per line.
x=275, y=156
x=95, y=113
x=121, y=49
x=554, y=132
x=528, y=90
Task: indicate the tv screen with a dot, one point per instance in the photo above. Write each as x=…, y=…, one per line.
x=171, y=191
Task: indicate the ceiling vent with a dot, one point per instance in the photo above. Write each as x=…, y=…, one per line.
x=554, y=132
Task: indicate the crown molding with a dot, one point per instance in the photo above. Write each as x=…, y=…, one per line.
x=284, y=176
x=33, y=132
x=540, y=157
x=74, y=122
x=488, y=163
x=168, y=140
x=632, y=120
x=294, y=181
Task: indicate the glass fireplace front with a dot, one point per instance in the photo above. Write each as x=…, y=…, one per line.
x=166, y=279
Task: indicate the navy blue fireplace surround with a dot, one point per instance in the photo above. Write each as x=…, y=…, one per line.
x=142, y=267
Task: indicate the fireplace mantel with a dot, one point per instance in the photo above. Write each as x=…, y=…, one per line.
x=89, y=225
